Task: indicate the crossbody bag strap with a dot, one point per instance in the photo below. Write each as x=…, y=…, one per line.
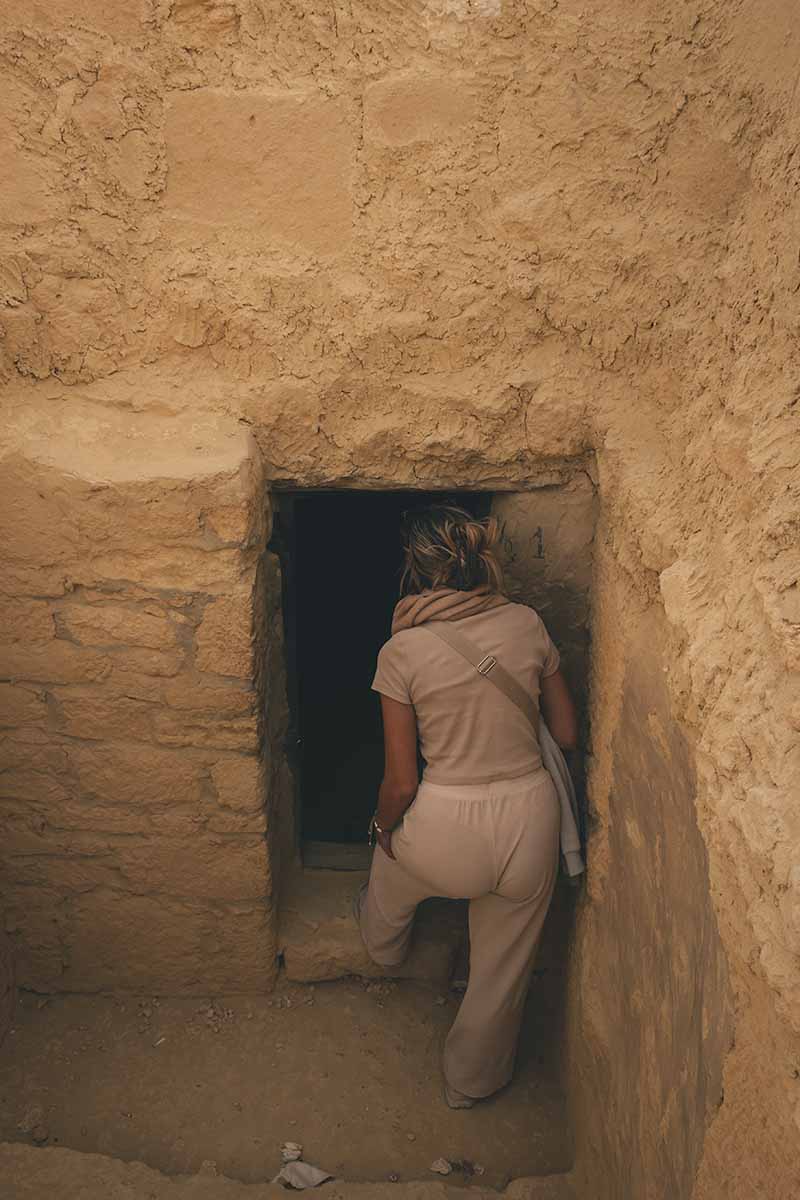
x=487, y=666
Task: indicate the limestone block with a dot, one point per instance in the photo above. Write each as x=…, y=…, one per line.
x=21, y=705
x=179, y=568
x=240, y=783
x=136, y=686
x=159, y=459
x=149, y=683
x=403, y=109
x=99, y=714
x=201, y=696
x=174, y=728
x=211, y=868
x=123, y=21
x=32, y=748
x=320, y=940
x=36, y=788
x=141, y=777
x=38, y=532
x=229, y=522
x=37, y=839
x=241, y=794
x=62, y=876
x=172, y=515
x=58, y=662
x=156, y=943
x=224, y=639
x=277, y=164
x=116, y=624
x=136, y=661
x=548, y=534
x=225, y=820
x=25, y=621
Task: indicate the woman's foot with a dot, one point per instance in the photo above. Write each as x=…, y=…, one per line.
x=457, y=1099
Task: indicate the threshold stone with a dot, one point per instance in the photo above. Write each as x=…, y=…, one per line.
x=319, y=939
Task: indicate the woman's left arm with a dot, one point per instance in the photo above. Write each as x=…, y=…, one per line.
x=400, y=772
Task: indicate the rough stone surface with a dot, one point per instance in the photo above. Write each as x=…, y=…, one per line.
x=31, y=1174
x=121, y=863
x=274, y=166
x=653, y=929
x=589, y=248
x=224, y=638
x=319, y=939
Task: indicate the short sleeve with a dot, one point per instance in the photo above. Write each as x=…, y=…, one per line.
x=552, y=658
x=390, y=679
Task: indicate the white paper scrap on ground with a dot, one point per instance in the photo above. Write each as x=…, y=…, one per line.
x=300, y=1175
x=441, y=1166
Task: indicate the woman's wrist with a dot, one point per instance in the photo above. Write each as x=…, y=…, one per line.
x=377, y=829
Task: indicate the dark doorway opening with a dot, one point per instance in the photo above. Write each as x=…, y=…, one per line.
x=342, y=563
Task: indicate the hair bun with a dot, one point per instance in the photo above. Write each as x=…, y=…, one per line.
x=446, y=546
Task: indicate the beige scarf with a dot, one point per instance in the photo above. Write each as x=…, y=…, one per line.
x=443, y=604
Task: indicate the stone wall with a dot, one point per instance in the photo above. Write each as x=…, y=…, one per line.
x=661, y=1031
x=133, y=798
x=432, y=244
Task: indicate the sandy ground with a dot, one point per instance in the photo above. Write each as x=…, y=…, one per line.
x=348, y=1069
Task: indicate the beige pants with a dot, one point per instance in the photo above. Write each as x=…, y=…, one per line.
x=495, y=844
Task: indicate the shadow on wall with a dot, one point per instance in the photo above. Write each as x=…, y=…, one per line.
x=7, y=986
x=548, y=537
x=650, y=1012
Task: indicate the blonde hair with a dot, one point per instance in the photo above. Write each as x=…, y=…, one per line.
x=445, y=546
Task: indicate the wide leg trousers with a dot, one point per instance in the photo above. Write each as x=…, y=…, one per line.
x=495, y=845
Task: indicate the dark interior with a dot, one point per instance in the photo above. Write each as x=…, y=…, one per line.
x=342, y=563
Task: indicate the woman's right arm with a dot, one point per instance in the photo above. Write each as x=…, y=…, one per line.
x=558, y=710
x=401, y=774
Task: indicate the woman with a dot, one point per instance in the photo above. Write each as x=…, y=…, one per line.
x=483, y=824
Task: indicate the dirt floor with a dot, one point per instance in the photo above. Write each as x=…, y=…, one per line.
x=348, y=1069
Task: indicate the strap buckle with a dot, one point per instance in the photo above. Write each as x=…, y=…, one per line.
x=486, y=664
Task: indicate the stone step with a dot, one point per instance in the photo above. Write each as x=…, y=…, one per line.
x=31, y=1174
x=319, y=939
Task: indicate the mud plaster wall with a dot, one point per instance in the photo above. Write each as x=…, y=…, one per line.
x=427, y=244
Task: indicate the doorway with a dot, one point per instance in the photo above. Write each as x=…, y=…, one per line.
x=342, y=562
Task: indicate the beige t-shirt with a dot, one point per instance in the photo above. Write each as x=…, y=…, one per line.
x=469, y=731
